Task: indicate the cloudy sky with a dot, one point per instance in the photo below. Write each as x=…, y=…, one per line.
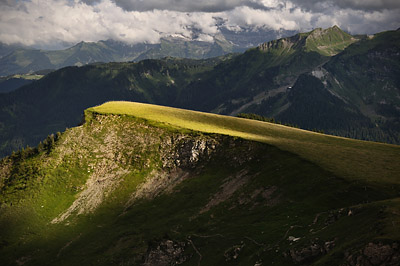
x=58, y=23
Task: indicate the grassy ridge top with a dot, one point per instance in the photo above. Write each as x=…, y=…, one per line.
x=351, y=159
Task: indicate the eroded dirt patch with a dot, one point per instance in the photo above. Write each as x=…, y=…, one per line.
x=227, y=189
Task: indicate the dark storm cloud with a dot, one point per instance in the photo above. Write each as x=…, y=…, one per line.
x=186, y=5
x=365, y=5
x=91, y=2
x=7, y=2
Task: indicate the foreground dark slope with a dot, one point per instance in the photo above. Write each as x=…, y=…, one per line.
x=281, y=79
x=121, y=190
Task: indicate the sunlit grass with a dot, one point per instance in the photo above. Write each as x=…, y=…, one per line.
x=28, y=76
x=351, y=159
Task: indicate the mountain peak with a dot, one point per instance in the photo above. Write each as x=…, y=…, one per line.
x=319, y=32
x=327, y=42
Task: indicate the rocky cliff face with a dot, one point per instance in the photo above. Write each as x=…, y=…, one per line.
x=327, y=42
x=110, y=149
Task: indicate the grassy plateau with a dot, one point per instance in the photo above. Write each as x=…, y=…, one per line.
x=353, y=159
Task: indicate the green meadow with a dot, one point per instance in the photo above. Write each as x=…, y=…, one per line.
x=348, y=158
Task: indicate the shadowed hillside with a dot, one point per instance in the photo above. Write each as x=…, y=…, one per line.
x=149, y=185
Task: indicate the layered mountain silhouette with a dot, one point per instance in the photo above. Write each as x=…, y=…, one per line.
x=325, y=80
x=16, y=59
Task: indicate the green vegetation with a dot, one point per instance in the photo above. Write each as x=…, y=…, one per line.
x=328, y=42
x=14, y=82
x=352, y=94
x=28, y=76
x=31, y=113
x=256, y=117
x=343, y=156
x=140, y=183
x=26, y=60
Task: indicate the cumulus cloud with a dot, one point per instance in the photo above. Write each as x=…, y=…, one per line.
x=224, y=5
x=365, y=5
x=66, y=22
x=55, y=23
x=275, y=19
x=185, y=5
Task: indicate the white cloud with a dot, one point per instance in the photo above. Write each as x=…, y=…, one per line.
x=275, y=19
x=185, y=5
x=290, y=16
x=365, y=5
x=55, y=23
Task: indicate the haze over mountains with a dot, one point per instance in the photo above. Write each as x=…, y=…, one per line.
x=304, y=80
x=18, y=60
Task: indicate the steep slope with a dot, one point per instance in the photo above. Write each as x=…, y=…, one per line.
x=5, y=49
x=376, y=91
x=22, y=61
x=282, y=79
x=11, y=83
x=264, y=71
x=129, y=188
x=321, y=149
x=184, y=48
x=227, y=41
x=361, y=84
x=328, y=42
x=27, y=60
x=57, y=101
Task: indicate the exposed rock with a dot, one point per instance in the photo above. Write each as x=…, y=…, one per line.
x=335, y=215
x=5, y=170
x=156, y=183
x=165, y=253
x=185, y=152
x=227, y=189
x=123, y=147
x=375, y=254
x=268, y=196
x=23, y=260
x=309, y=253
x=284, y=43
x=294, y=239
x=233, y=252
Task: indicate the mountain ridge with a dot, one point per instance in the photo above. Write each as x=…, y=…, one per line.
x=319, y=40
x=127, y=187
x=255, y=82
x=28, y=60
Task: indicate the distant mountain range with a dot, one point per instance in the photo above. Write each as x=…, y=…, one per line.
x=21, y=60
x=325, y=80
